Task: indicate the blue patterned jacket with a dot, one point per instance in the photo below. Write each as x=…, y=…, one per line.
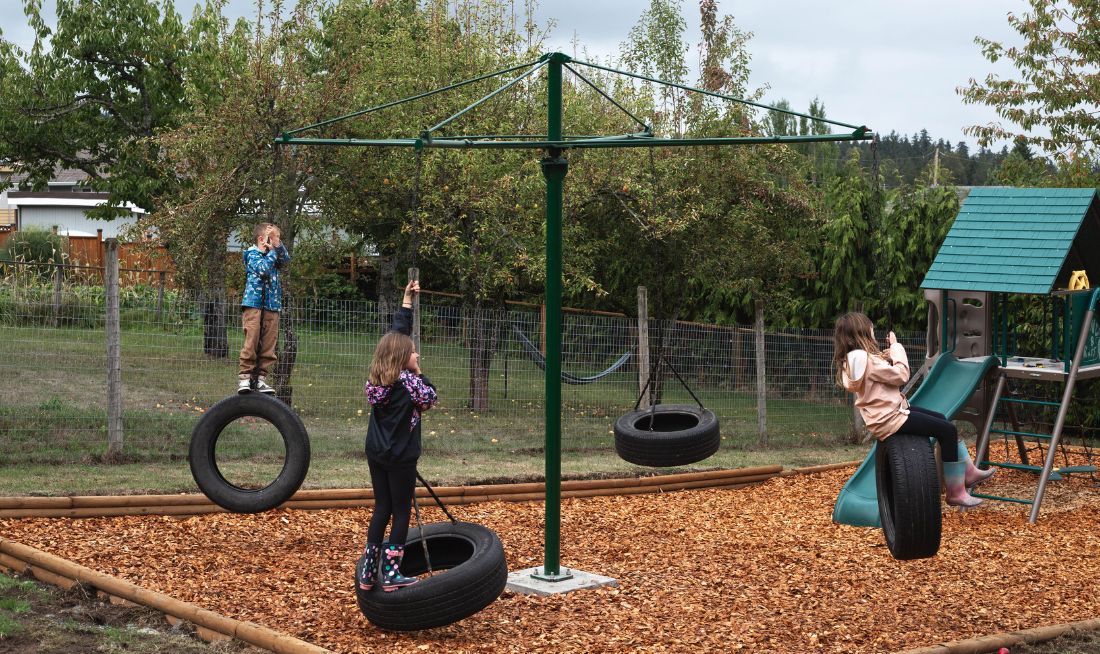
x=258, y=268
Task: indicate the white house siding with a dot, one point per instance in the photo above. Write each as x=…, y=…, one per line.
x=69, y=219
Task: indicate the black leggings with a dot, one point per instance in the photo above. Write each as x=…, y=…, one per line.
x=922, y=422
x=393, y=494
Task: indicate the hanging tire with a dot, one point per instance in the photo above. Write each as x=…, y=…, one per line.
x=204, y=460
x=675, y=435
x=474, y=575
x=909, y=496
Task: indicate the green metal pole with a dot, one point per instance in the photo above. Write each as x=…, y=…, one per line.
x=554, y=168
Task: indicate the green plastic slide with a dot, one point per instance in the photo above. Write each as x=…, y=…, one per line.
x=949, y=385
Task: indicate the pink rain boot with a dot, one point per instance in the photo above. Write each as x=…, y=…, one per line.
x=954, y=473
x=974, y=474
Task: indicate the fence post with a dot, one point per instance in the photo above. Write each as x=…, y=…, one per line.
x=414, y=275
x=58, y=276
x=542, y=329
x=643, y=346
x=114, y=355
x=761, y=380
x=160, y=296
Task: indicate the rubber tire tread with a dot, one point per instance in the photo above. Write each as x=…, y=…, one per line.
x=664, y=449
x=909, y=496
x=464, y=588
x=204, y=440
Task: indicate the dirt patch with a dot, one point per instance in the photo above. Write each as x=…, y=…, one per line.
x=40, y=619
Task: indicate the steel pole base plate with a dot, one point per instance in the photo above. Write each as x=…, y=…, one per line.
x=535, y=581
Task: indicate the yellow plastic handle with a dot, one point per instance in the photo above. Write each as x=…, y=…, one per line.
x=1078, y=281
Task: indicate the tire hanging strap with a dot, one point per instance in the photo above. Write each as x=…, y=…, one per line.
x=423, y=539
x=668, y=363
x=435, y=497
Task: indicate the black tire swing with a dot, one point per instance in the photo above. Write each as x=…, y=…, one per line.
x=908, y=486
x=471, y=555
x=906, y=477
x=666, y=435
x=475, y=573
x=203, y=452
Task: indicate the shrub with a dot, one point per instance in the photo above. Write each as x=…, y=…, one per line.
x=36, y=245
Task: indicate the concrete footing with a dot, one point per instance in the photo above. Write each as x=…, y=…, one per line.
x=524, y=582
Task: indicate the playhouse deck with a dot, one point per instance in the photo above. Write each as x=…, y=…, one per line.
x=1040, y=368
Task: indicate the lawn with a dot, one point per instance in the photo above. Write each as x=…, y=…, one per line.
x=54, y=426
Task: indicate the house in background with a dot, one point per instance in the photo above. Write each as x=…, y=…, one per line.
x=63, y=205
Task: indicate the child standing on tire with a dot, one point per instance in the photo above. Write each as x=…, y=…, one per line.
x=263, y=299
x=398, y=393
x=876, y=379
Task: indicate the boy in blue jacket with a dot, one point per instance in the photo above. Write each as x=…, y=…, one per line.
x=262, y=288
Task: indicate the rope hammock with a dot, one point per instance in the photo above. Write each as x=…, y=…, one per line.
x=535, y=355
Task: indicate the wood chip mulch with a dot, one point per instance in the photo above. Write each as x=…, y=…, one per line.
x=760, y=569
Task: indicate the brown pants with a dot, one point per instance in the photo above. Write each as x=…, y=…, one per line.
x=250, y=320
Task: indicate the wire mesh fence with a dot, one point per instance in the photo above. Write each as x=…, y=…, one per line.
x=179, y=356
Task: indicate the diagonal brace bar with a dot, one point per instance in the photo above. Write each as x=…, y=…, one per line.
x=610, y=99
x=427, y=133
x=718, y=95
x=418, y=96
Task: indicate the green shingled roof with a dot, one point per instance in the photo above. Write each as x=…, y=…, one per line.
x=1010, y=240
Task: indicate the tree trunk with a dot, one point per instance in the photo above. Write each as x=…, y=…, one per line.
x=482, y=342
x=287, y=353
x=287, y=346
x=215, y=340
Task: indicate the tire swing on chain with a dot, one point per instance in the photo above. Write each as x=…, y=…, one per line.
x=474, y=574
x=207, y=469
x=470, y=556
x=906, y=476
x=667, y=435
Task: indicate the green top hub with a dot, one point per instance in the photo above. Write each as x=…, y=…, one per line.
x=556, y=58
x=1019, y=240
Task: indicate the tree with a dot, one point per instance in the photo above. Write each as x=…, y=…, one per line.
x=780, y=123
x=228, y=174
x=91, y=93
x=1052, y=103
x=473, y=218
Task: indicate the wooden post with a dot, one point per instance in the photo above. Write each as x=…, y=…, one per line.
x=643, y=346
x=414, y=275
x=58, y=278
x=354, y=268
x=114, y=356
x=761, y=380
x=160, y=296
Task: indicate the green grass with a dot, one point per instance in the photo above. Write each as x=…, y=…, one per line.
x=14, y=605
x=54, y=426
x=8, y=626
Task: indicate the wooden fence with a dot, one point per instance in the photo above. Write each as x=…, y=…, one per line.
x=142, y=263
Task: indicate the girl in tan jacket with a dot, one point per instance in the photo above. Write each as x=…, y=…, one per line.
x=876, y=378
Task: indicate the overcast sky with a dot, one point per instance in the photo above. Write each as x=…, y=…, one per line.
x=891, y=65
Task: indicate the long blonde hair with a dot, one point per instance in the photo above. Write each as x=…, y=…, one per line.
x=854, y=331
x=390, y=357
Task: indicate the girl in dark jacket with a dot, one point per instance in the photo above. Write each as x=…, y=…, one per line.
x=398, y=393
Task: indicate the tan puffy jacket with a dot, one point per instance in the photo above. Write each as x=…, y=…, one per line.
x=878, y=391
